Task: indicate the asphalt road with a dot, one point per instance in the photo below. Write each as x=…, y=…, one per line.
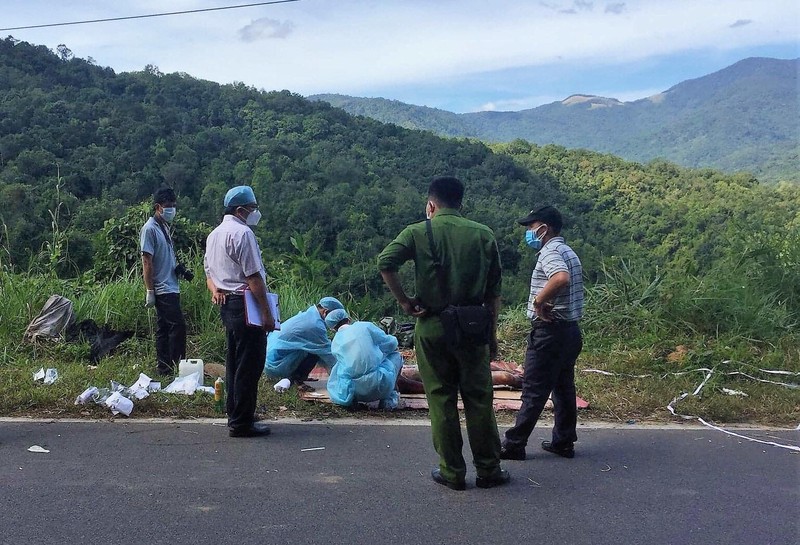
x=133, y=482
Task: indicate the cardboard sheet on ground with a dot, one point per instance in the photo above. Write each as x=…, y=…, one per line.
x=504, y=399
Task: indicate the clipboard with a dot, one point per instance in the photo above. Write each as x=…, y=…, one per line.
x=252, y=314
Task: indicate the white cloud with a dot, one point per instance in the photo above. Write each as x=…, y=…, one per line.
x=265, y=28
x=616, y=8
x=352, y=45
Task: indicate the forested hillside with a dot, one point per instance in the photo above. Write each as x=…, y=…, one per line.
x=340, y=186
x=744, y=117
x=81, y=146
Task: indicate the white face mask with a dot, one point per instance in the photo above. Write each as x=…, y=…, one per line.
x=168, y=214
x=253, y=218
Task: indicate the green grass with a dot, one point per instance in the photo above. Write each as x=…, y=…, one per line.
x=637, y=324
x=633, y=325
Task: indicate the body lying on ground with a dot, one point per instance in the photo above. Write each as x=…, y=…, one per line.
x=503, y=374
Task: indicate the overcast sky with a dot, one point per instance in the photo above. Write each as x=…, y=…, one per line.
x=457, y=55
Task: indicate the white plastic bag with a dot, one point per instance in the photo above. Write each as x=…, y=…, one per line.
x=119, y=404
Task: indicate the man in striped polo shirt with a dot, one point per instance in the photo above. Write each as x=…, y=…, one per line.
x=555, y=306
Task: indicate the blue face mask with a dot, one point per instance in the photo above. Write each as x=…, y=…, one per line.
x=532, y=240
x=168, y=214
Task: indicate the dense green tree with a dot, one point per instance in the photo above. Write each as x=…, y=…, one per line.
x=334, y=188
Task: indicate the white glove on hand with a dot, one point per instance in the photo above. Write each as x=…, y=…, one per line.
x=150, y=300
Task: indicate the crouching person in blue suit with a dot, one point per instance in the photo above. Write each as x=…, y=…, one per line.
x=367, y=363
x=301, y=343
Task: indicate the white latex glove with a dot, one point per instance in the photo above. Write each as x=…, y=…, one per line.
x=150, y=300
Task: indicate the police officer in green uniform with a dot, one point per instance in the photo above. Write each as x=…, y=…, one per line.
x=470, y=275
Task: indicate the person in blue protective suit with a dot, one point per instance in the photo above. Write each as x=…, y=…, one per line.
x=301, y=343
x=367, y=363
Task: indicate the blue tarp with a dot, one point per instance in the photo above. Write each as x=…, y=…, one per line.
x=367, y=365
x=299, y=336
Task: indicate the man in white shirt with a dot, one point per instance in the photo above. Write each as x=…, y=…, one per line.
x=233, y=264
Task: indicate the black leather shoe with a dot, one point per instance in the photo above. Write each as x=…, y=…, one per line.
x=566, y=452
x=498, y=479
x=512, y=453
x=436, y=475
x=252, y=431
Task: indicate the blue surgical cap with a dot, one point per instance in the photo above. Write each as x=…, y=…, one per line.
x=239, y=196
x=335, y=316
x=330, y=303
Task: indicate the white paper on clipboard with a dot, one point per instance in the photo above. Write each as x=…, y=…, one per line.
x=251, y=311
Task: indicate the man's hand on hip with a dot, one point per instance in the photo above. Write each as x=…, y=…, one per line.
x=544, y=311
x=412, y=307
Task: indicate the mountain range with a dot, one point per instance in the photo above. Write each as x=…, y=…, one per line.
x=745, y=117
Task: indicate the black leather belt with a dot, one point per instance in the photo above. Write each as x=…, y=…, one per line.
x=555, y=324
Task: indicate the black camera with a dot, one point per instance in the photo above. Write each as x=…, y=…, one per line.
x=183, y=272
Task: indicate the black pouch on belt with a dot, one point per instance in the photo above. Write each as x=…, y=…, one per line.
x=466, y=325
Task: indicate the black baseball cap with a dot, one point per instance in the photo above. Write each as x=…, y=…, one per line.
x=545, y=214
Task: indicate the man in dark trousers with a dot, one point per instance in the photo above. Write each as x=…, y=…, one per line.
x=555, y=306
x=469, y=275
x=233, y=264
x=161, y=282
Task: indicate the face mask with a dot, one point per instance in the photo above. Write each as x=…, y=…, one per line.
x=253, y=218
x=532, y=240
x=168, y=214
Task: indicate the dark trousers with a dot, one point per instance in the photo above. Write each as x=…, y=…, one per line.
x=244, y=362
x=304, y=368
x=549, y=367
x=170, y=332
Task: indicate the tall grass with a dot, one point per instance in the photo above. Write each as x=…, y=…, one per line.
x=119, y=305
x=296, y=297
x=21, y=298
x=635, y=322
x=629, y=307
x=728, y=314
